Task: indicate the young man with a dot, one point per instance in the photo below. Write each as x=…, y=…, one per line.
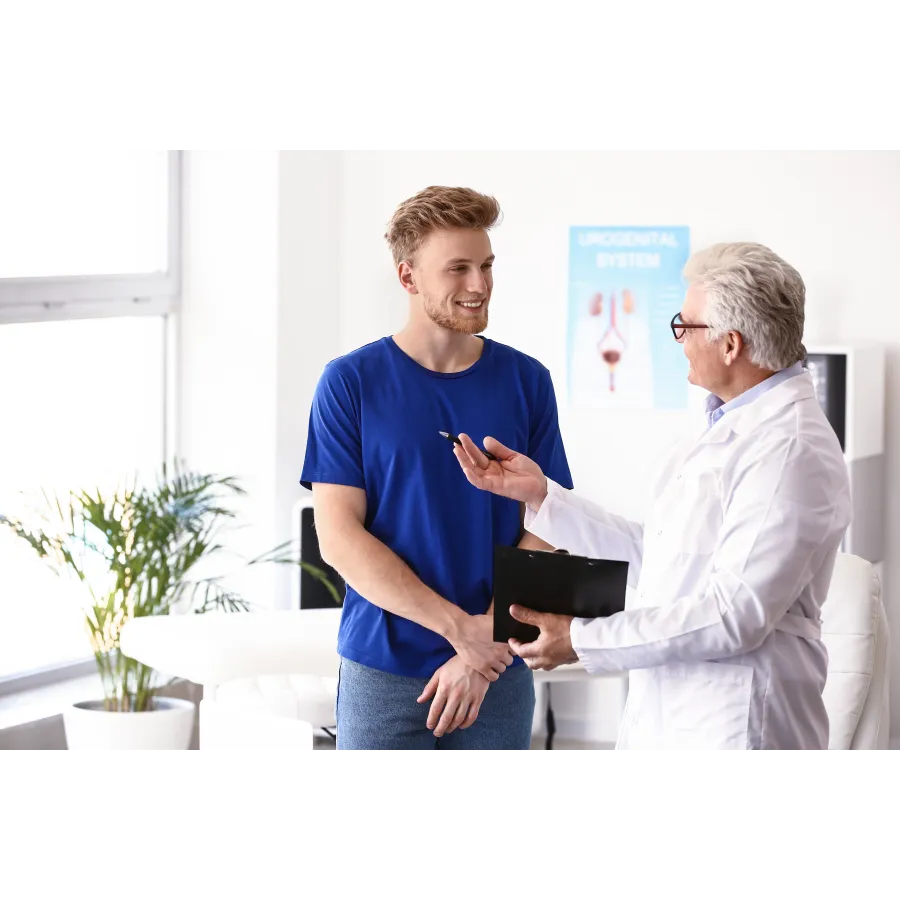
x=419, y=667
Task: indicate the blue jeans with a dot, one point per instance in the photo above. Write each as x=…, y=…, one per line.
x=378, y=711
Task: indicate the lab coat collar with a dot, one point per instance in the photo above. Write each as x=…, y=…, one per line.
x=745, y=419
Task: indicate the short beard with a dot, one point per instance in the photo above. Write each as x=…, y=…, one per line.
x=461, y=324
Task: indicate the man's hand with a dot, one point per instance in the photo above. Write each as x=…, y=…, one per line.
x=475, y=645
x=458, y=691
x=554, y=646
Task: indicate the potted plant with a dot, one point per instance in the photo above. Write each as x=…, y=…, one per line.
x=138, y=551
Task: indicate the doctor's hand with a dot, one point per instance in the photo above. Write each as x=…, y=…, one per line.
x=554, y=646
x=458, y=692
x=511, y=475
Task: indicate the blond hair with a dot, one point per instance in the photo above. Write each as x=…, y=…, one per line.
x=436, y=208
x=752, y=290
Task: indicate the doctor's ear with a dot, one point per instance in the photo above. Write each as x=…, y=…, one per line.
x=733, y=344
x=405, y=274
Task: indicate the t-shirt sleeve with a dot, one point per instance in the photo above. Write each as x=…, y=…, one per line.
x=545, y=444
x=334, y=441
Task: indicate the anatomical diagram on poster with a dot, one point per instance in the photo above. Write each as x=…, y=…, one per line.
x=624, y=287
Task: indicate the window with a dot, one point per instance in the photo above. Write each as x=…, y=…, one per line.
x=88, y=274
x=88, y=234
x=86, y=407
x=82, y=214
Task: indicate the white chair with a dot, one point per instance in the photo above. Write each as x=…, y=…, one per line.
x=856, y=634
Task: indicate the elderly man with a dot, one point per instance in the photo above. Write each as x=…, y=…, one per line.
x=735, y=557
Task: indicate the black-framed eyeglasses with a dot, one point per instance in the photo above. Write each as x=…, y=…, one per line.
x=679, y=328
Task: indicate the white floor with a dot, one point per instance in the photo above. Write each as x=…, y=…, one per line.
x=570, y=744
x=325, y=743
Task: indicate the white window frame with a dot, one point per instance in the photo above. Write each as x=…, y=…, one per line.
x=99, y=296
x=56, y=299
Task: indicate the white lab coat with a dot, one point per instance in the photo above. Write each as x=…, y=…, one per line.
x=722, y=636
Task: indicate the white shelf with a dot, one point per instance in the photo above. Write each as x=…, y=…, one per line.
x=50, y=700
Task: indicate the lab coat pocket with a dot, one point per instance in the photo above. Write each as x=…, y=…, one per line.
x=691, y=517
x=706, y=705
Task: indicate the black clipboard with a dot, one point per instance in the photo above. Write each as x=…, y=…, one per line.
x=553, y=583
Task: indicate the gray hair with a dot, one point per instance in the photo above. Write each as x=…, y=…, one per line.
x=753, y=291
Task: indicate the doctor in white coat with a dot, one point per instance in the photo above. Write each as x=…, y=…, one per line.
x=734, y=560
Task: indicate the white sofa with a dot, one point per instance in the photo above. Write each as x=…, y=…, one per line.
x=855, y=632
x=270, y=678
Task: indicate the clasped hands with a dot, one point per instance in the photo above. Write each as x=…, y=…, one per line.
x=458, y=689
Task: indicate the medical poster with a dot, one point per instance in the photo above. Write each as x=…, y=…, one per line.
x=624, y=287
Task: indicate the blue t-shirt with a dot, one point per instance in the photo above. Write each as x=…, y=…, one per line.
x=374, y=425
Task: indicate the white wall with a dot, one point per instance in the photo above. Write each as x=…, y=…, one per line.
x=259, y=321
x=227, y=333
x=310, y=272
x=282, y=287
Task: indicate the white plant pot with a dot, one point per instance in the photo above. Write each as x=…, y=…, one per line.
x=167, y=727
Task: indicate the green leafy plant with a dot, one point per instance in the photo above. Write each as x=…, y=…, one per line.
x=136, y=550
